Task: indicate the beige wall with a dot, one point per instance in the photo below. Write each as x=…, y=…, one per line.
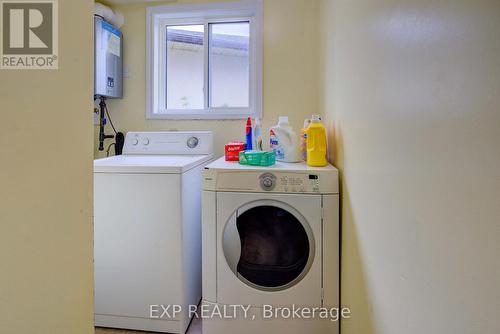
x=45, y=187
x=412, y=90
x=290, y=72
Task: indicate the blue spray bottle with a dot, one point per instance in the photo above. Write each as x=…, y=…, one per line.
x=249, y=137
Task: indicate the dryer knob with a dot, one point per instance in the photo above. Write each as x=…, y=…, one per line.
x=267, y=181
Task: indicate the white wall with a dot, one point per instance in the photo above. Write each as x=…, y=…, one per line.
x=46, y=187
x=230, y=79
x=412, y=92
x=186, y=70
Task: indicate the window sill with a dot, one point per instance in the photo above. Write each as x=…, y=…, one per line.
x=228, y=114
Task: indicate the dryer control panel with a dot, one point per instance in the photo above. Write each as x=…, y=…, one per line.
x=286, y=178
x=295, y=183
x=324, y=182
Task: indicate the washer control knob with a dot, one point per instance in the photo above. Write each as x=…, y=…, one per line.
x=135, y=141
x=193, y=142
x=267, y=181
x=145, y=141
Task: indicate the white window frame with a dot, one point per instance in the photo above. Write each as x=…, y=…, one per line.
x=159, y=17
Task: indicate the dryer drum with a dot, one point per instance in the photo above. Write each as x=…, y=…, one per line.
x=274, y=246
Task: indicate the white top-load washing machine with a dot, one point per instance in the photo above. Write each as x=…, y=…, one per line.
x=147, y=233
x=270, y=238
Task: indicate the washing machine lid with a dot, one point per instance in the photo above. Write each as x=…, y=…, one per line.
x=150, y=164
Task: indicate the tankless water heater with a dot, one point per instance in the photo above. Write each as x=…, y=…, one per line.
x=108, y=60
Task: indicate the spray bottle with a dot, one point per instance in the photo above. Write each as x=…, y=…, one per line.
x=257, y=135
x=248, y=136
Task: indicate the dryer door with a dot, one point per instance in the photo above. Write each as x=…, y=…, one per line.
x=270, y=249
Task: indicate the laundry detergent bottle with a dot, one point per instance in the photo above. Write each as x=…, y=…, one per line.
x=284, y=141
x=316, y=143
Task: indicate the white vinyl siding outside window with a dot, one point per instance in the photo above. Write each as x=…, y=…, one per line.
x=204, y=61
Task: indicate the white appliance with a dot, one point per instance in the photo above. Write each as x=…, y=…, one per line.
x=270, y=237
x=108, y=59
x=147, y=247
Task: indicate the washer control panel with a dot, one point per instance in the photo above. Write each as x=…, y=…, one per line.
x=174, y=142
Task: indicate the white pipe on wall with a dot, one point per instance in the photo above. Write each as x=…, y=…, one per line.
x=115, y=18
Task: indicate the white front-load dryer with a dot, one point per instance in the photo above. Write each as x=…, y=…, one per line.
x=270, y=239
x=273, y=262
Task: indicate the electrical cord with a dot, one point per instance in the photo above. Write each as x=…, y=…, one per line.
x=109, y=148
x=110, y=121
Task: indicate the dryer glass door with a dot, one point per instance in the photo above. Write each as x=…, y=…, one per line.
x=276, y=245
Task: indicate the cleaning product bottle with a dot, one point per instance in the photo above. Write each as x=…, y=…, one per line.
x=316, y=143
x=284, y=141
x=248, y=136
x=257, y=135
x=303, y=139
